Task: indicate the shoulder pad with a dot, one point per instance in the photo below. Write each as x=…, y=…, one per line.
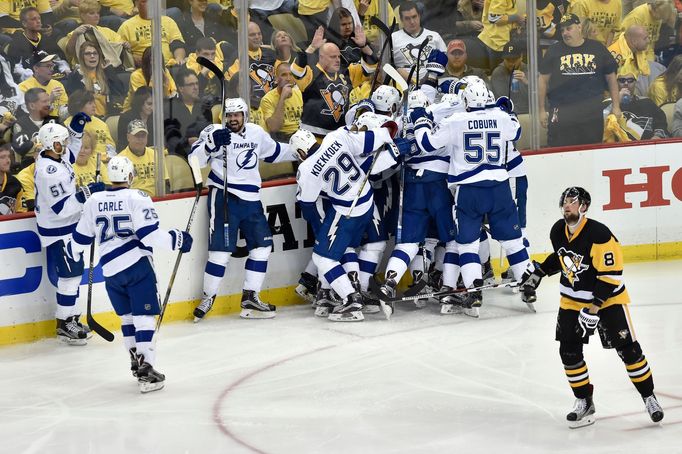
x=599, y=232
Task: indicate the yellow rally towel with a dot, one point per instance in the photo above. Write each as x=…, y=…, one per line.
x=613, y=130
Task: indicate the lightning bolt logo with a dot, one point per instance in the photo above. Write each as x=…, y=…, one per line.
x=333, y=228
x=376, y=219
x=388, y=201
x=244, y=160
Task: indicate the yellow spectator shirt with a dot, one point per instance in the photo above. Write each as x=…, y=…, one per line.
x=629, y=62
x=293, y=108
x=25, y=177
x=310, y=7
x=63, y=99
x=100, y=131
x=12, y=8
x=138, y=32
x=224, y=3
x=642, y=16
x=145, y=170
x=659, y=94
x=86, y=174
x=496, y=36
x=606, y=17
x=371, y=31
x=137, y=81
x=123, y=5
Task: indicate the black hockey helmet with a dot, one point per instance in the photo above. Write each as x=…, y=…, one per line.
x=576, y=192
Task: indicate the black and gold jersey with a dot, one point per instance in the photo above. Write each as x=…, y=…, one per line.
x=591, y=265
x=10, y=195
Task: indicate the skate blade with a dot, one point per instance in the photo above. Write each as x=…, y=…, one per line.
x=371, y=309
x=355, y=316
x=252, y=313
x=472, y=312
x=586, y=421
x=322, y=311
x=69, y=341
x=198, y=319
x=449, y=309
x=146, y=387
x=531, y=306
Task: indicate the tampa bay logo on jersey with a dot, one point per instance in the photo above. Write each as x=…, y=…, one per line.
x=262, y=75
x=247, y=159
x=411, y=51
x=571, y=264
x=335, y=96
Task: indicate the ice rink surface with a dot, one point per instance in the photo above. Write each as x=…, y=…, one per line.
x=419, y=383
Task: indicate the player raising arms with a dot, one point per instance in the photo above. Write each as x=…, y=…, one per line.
x=334, y=168
x=127, y=227
x=242, y=144
x=593, y=296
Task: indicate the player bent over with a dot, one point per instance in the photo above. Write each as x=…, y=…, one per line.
x=238, y=148
x=334, y=168
x=593, y=296
x=58, y=207
x=127, y=227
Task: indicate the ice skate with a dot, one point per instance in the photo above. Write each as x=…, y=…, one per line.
x=349, y=311
x=472, y=301
x=582, y=414
x=450, y=304
x=388, y=288
x=488, y=274
x=253, y=307
x=370, y=303
x=653, y=408
x=134, y=361
x=204, y=306
x=417, y=276
x=326, y=300
x=307, y=287
x=148, y=378
x=529, y=297
x=86, y=328
x=70, y=333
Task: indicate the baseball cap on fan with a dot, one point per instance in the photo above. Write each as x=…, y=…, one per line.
x=136, y=126
x=568, y=19
x=41, y=57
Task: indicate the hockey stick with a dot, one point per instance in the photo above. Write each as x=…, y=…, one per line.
x=393, y=73
x=198, y=184
x=387, y=305
x=388, y=42
x=208, y=64
x=92, y=323
x=440, y=294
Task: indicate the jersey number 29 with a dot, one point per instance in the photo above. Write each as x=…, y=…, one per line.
x=350, y=171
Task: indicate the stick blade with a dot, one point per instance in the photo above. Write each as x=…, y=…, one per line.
x=196, y=171
x=99, y=329
x=393, y=73
x=205, y=62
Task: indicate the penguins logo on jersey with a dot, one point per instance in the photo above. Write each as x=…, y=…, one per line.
x=247, y=159
x=571, y=264
x=411, y=52
x=262, y=75
x=335, y=96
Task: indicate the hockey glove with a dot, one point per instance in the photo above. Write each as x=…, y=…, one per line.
x=182, y=241
x=437, y=61
x=448, y=87
x=421, y=118
x=532, y=279
x=402, y=147
x=587, y=323
x=505, y=103
x=310, y=214
x=85, y=192
x=78, y=122
x=218, y=138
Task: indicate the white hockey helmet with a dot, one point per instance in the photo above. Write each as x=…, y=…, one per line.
x=370, y=120
x=302, y=141
x=120, y=170
x=52, y=133
x=417, y=98
x=386, y=100
x=451, y=98
x=476, y=95
x=234, y=105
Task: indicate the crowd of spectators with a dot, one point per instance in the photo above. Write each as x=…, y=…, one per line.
x=309, y=60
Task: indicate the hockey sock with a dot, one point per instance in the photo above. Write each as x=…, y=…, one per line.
x=450, y=266
x=368, y=260
x=334, y=273
x=144, y=333
x=256, y=267
x=419, y=262
x=349, y=261
x=484, y=247
x=638, y=368
x=517, y=256
x=526, y=243
x=469, y=262
x=439, y=257
x=575, y=369
x=400, y=258
x=214, y=271
x=128, y=331
x=67, y=293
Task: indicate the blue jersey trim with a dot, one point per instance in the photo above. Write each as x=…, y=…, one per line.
x=119, y=251
x=274, y=156
x=146, y=230
x=81, y=239
x=57, y=231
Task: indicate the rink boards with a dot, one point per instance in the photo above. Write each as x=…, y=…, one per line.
x=636, y=191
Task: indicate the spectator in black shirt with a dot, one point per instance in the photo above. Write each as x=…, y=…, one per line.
x=195, y=23
x=25, y=130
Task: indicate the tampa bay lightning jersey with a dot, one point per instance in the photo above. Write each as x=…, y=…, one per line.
x=477, y=140
x=339, y=166
x=57, y=210
x=243, y=154
x=126, y=226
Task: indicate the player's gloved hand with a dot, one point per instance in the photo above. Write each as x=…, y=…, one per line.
x=437, y=61
x=421, y=118
x=78, y=122
x=532, y=279
x=219, y=137
x=505, y=103
x=448, y=87
x=182, y=241
x=587, y=323
x=401, y=147
x=85, y=192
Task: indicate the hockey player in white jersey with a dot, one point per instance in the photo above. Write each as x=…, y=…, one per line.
x=338, y=167
x=477, y=168
x=58, y=207
x=244, y=144
x=126, y=226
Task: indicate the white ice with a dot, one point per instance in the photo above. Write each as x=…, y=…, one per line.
x=419, y=383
